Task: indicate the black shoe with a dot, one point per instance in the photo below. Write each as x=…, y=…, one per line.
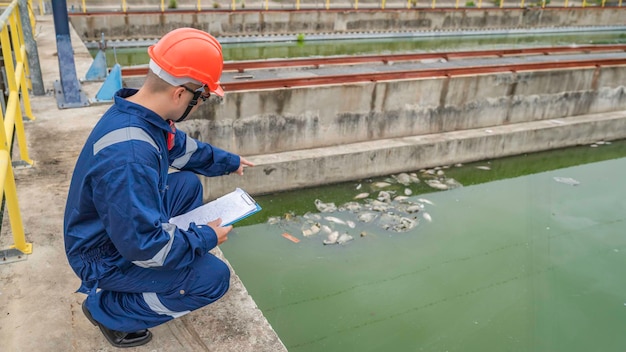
x=118, y=338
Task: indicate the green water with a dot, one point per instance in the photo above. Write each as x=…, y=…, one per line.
x=512, y=261
x=257, y=51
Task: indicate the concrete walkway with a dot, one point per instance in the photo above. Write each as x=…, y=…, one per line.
x=39, y=310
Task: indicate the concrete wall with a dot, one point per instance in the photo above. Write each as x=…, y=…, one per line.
x=253, y=22
x=302, y=137
x=280, y=120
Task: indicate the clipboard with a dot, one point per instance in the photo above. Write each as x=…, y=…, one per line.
x=231, y=207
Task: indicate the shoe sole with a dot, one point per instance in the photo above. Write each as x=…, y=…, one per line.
x=118, y=345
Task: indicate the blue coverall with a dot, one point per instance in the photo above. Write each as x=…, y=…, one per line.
x=138, y=269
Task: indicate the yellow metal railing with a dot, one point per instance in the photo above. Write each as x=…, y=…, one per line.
x=16, y=70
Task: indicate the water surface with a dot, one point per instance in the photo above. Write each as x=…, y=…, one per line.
x=512, y=261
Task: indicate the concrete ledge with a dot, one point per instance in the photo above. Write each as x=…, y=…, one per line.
x=316, y=166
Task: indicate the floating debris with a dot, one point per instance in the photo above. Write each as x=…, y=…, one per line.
x=407, y=192
x=427, y=217
x=335, y=220
x=273, y=220
x=358, y=187
x=351, y=206
x=325, y=207
x=361, y=195
x=367, y=217
x=567, y=180
x=402, y=178
x=482, y=167
x=310, y=231
x=344, y=238
x=381, y=184
x=332, y=238
x=424, y=200
x=384, y=196
x=436, y=184
x=290, y=237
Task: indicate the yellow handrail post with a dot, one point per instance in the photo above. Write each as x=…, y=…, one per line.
x=480, y=4
x=267, y=5
x=501, y=3
x=356, y=4
x=124, y=8
x=17, y=36
x=199, y=6
x=15, y=218
x=234, y=6
x=84, y=7
x=382, y=4
x=13, y=109
x=327, y=4
x=162, y=5
x=297, y=5
x=456, y=5
x=408, y=4
x=433, y=4
x=565, y=4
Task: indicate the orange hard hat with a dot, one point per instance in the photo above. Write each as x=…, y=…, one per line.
x=188, y=53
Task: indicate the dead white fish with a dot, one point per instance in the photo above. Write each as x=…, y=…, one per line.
x=314, y=229
x=344, y=238
x=436, y=184
x=452, y=183
x=482, y=167
x=382, y=184
x=567, y=180
x=414, y=208
x=273, y=220
x=424, y=200
x=407, y=192
x=325, y=207
x=427, y=217
x=384, y=196
x=358, y=187
x=332, y=238
x=326, y=229
x=402, y=178
x=367, y=217
x=311, y=216
x=351, y=206
x=362, y=195
x=335, y=220
x=400, y=198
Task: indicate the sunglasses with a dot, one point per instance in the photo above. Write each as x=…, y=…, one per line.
x=200, y=93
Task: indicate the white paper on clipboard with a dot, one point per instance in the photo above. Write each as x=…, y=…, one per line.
x=231, y=207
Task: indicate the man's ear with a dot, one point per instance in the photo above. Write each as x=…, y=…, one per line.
x=177, y=94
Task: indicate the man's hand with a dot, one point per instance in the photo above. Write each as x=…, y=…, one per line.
x=220, y=231
x=243, y=163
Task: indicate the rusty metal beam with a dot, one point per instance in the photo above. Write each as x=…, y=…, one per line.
x=242, y=66
x=415, y=74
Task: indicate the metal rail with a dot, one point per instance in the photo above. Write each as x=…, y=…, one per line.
x=418, y=73
x=242, y=66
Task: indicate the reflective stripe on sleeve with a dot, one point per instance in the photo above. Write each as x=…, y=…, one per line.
x=153, y=302
x=159, y=258
x=192, y=146
x=123, y=135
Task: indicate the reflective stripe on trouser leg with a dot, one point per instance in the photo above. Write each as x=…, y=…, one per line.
x=121, y=304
